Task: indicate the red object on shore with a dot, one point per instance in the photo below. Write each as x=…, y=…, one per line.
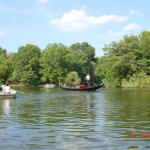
x=81, y=86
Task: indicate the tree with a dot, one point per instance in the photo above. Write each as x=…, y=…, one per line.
x=72, y=79
x=120, y=61
x=26, y=65
x=78, y=63
x=86, y=56
x=86, y=49
x=55, y=63
x=5, y=66
x=145, y=44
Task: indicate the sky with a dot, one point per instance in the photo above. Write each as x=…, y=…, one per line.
x=97, y=22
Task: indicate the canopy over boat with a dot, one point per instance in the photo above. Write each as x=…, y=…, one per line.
x=91, y=88
x=11, y=95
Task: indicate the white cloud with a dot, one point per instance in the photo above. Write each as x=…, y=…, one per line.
x=125, y=30
x=132, y=26
x=135, y=12
x=78, y=20
x=41, y=1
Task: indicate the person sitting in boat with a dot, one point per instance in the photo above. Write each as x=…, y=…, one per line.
x=2, y=86
x=6, y=89
x=88, y=79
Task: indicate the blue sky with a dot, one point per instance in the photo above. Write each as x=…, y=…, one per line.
x=97, y=22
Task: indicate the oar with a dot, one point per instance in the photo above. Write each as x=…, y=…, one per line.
x=24, y=93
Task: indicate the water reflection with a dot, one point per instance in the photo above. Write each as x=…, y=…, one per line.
x=127, y=111
x=6, y=106
x=88, y=102
x=58, y=119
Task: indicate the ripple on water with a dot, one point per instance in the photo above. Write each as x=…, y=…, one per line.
x=57, y=119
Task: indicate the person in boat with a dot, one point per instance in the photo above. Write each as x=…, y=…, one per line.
x=2, y=86
x=88, y=79
x=6, y=89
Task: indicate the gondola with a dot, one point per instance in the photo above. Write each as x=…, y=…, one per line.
x=91, y=88
x=11, y=95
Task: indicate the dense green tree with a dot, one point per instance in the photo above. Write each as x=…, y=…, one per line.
x=72, y=79
x=145, y=44
x=26, y=65
x=124, y=59
x=124, y=62
x=78, y=63
x=5, y=66
x=55, y=63
x=3, y=52
x=93, y=71
x=86, y=57
x=86, y=49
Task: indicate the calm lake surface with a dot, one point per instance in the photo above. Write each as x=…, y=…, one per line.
x=56, y=119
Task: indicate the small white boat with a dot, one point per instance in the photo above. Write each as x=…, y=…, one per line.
x=49, y=86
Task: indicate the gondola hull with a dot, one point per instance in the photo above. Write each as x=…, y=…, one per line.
x=91, y=88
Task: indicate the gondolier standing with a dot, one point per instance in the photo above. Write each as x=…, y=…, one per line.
x=88, y=79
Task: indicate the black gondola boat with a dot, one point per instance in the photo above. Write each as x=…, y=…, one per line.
x=91, y=88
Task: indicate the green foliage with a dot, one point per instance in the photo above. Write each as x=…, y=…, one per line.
x=55, y=63
x=84, y=56
x=126, y=63
x=85, y=48
x=78, y=63
x=72, y=79
x=3, y=52
x=31, y=66
x=93, y=71
x=5, y=66
x=26, y=65
x=137, y=80
x=145, y=44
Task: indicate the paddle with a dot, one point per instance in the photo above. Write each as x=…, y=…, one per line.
x=24, y=93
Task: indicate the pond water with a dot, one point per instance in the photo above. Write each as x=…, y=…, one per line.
x=59, y=119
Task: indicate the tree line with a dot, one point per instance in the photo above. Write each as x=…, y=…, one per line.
x=125, y=63
x=55, y=64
